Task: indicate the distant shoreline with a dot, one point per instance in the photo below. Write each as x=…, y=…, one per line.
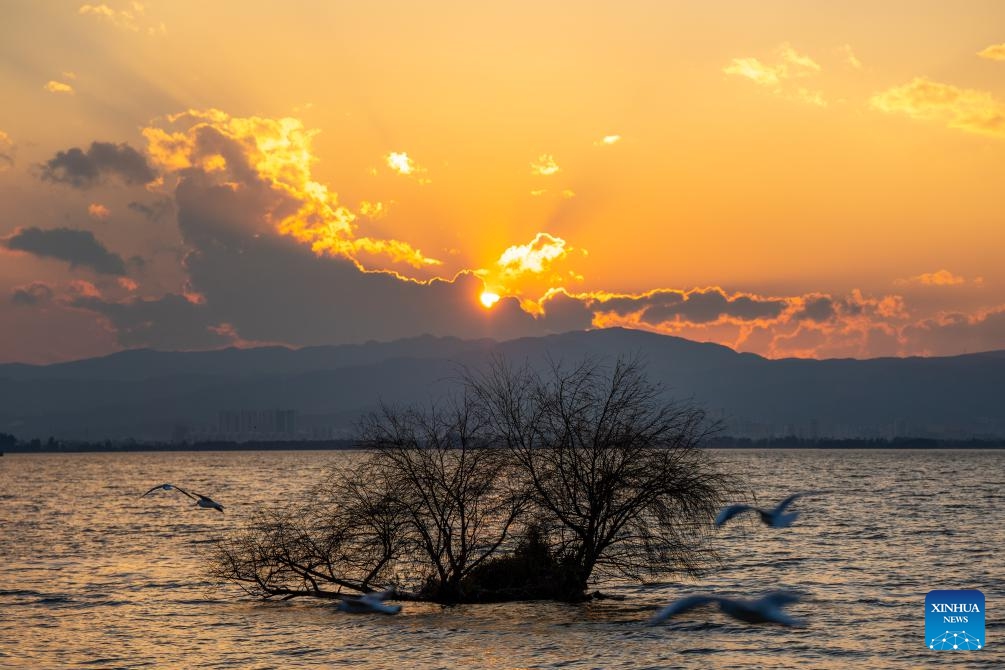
x=350, y=445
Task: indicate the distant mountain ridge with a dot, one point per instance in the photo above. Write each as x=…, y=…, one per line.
x=153, y=395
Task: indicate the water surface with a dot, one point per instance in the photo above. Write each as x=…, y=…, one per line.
x=91, y=576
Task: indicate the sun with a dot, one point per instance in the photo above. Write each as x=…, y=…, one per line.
x=488, y=299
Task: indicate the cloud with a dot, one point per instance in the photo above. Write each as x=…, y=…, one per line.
x=272, y=256
x=153, y=211
x=98, y=211
x=54, y=86
x=608, y=140
x=938, y=278
x=400, y=162
x=534, y=257
x=372, y=210
x=816, y=308
x=993, y=52
x=790, y=65
x=529, y=270
x=6, y=151
x=800, y=63
x=79, y=248
x=957, y=332
x=696, y=306
x=545, y=165
x=36, y=293
x=756, y=71
x=169, y=322
x=133, y=19
x=272, y=158
x=84, y=169
x=849, y=56
x=244, y=201
x=965, y=109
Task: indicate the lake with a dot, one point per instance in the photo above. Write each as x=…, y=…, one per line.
x=92, y=576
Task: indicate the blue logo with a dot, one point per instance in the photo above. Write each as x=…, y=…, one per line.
x=954, y=620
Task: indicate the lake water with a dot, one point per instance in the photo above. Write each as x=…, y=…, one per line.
x=91, y=576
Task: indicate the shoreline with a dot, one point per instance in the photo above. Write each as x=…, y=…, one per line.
x=352, y=445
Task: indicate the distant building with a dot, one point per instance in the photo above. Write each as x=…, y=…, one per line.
x=250, y=424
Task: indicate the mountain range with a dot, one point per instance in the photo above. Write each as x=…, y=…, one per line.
x=157, y=395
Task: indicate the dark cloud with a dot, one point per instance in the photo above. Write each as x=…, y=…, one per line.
x=31, y=295
x=84, y=169
x=634, y=303
x=260, y=286
x=697, y=306
x=170, y=322
x=77, y=247
x=153, y=211
x=564, y=313
x=957, y=333
x=817, y=309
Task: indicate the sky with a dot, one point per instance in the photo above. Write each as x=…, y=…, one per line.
x=806, y=179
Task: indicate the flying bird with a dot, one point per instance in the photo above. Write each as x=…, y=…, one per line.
x=202, y=501
x=766, y=609
x=776, y=518
x=369, y=602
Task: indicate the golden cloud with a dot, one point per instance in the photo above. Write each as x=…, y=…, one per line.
x=800, y=62
x=98, y=211
x=534, y=257
x=965, y=109
x=938, y=278
x=372, y=210
x=132, y=19
x=790, y=65
x=529, y=269
x=993, y=52
x=400, y=162
x=849, y=56
x=545, y=165
x=58, y=87
x=756, y=71
x=278, y=152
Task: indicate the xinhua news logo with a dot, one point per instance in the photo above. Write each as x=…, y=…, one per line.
x=954, y=620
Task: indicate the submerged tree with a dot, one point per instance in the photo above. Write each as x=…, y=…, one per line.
x=614, y=468
x=459, y=497
x=528, y=486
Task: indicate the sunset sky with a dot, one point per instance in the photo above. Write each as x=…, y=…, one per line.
x=787, y=178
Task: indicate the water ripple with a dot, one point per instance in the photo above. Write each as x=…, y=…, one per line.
x=94, y=579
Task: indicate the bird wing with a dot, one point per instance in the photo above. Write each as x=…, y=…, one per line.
x=193, y=497
x=682, y=605
x=729, y=512
x=778, y=616
x=788, y=501
x=781, y=598
x=158, y=487
x=377, y=596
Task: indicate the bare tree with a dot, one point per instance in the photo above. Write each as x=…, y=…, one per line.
x=348, y=538
x=526, y=486
x=461, y=497
x=613, y=466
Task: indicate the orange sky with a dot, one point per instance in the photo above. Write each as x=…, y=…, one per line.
x=786, y=178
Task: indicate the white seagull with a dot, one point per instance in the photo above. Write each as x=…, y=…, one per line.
x=767, y=609
x=202, y=501
x=776, y=518
x=369, y=602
